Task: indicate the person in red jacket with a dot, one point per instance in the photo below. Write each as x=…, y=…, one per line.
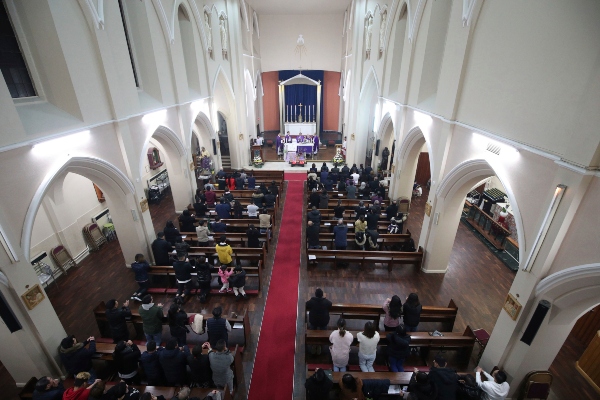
x=80, y=389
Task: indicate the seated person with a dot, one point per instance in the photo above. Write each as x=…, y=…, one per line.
x=47, y=388
x=318, y=386
x=252, y=210
x=270, y=200
x=80, y=389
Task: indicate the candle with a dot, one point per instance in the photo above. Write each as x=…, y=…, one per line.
x=313, y=111
x=296, y=112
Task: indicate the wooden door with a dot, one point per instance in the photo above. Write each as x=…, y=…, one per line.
x=423, y=171
x=586, y=327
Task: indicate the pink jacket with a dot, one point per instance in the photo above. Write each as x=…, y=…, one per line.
x=388, y=320
x=225, y=275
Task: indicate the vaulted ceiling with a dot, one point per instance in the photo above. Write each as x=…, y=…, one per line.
x=287, y=7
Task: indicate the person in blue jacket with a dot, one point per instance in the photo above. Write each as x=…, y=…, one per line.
x=141, y=269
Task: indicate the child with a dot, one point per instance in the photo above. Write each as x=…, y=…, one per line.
x=141, y=269
x=225, y=274
x=238, y=281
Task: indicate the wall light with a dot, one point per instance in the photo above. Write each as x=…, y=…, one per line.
x=541, y=236
x=155, y=118
x=494, y=146
x=423, y=120
x=61, y=143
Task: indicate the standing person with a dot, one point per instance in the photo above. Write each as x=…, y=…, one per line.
x=76, y=357
x=203, y=271
x=314, y=215
x=173, y=362
x=223, y=209
x=312, y=235
x=126, y=357
x=252, y=210
x=47, y=388
x=445, y=379
x=398, y=348
x=372, y=237
x=351, y=388
x=421, y=388
x=340, y=233
x=372, y=220
x=238, y=281
x=181, y=248
x=81, y=389
x=412, y=312
x=152, y=319
x=253, y=236
x=392, y=210
x=338, y=211
x=393, y=312
x=270, y=199
x=151, y=365
x=218, y=226
x=224, y=274
x=141, y=268
x=361, y=209
x=351, y=190
x=367, y=349
x=360, y=225
x=258, y=198
x=171, y=233
x=183, y=274
x=496, y=387
x=318, y=386
x=177, y=318
x=224, y=251
x=220, y=364
x=186, y=221
x=161, y=249
x=340, y=346
x=264, y=219
x=314, y=198
x=251, y=181
x=217, y=328
x=211, y=198
x=117, y=319
x=202, y=234
x=239, y=183
x=323, y=200
x=318, y=315
x=201, y=208
x=238, y=209
x=274, y=189
x=199, y=364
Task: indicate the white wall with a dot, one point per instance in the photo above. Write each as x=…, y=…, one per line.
x=322, y=38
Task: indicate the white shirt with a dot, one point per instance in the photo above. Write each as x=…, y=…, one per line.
x=491, y=389
x=355, y=177
x=252, y=210
x=367, y=346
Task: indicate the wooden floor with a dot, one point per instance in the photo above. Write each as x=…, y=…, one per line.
x=103, y=275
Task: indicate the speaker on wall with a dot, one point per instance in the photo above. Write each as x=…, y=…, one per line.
x=377, y=147
x=535, y=322
x=8, y=316
x=214, y=146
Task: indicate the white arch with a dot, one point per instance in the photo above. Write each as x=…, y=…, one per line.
x=394, y=17
x=383, y=125
x=371, y=75
x=243, y=4
x=205, y=121
x=572, y=292
x=413, y=137
x=249, y=79
x=480, y=168
x=221, y=72
x=165, y=136
x=105, y=172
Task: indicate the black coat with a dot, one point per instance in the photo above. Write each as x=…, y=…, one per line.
x=446, y=382
x=161, y=249
x=391, y=211
x=171, y=234
x=173, y=363
x=253, y=237
x=183, y=270
x=126, y=361
x=76, y=361
x=204, y=275
x=312, y=234
x=398, y=346
x=200, y=369
x=339, y=211
x=314, y=199
x=52, y=394
x=117, y=321
x=412, y=315
x=238, y=280
x=318, y=309
x=314, y=216
x=372, y=220
x=422, y=391
x=177, y=327
x=151, y=366
x=317, y=390
x=186, y=223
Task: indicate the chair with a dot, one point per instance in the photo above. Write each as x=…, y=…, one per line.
x=44, y=273
x=536, y=385
x=61, y=257
x=93, y=236
x=482, y=338
x=403, y=205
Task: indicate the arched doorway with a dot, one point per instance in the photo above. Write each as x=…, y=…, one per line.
x=410, y=154
x=365, y=122
x=226, y=114
x=385, y=141
x=223, y=135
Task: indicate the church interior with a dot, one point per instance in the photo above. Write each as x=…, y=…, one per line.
x=254, y=135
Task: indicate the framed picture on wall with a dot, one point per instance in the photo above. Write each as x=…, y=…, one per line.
x=512, y=306
x=33, y=296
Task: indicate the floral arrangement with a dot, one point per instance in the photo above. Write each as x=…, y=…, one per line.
x=258, y=161
x=338, y=159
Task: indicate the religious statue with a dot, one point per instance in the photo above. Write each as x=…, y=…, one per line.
x=208, y=32
x=300, y=48
x=385, y=154
x=223, y=29
x=368, y=34
x=382, y=32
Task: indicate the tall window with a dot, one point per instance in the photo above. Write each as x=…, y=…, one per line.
x=12, y=63
x=122, y=10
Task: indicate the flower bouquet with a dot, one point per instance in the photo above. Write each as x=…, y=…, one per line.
x=258, y=162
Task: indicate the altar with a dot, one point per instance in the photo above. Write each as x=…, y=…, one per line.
x=295, y=128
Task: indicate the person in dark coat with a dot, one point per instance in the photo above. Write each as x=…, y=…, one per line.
x=239, y=183
x=251, y=182
x=141, y=268
x=237, y=281
x=75, y=356
x=318, y=311
x=218, y=226
x=312, y=235
x=204, y=278
x=217, y=328
x=412, y=312
x=258, y=198
x=126, y=357
x=253, y=235
x=328, y=184
x=318, y=386
x=201, y=208
x=186, y=221
x=117, y=320
x=341, y=186
x=420, y=387
x=314, y=198
x=444, y=378
x=314, y=215
x=178, y=319
x=173, y=362
x=171, y=233
x=151, y=365
x=161, y=249
x=274, y=189
x=372, y=220
x=338, y=211
x=200, y=372
x=223, y=209
x=221, y=183
x=340, y=233
x=391, y=210
x=47, y=388
x=270, y=200
x=183, y=274
x=360, y=209
x=323, y=200
x=398, y=348
x=468, y=388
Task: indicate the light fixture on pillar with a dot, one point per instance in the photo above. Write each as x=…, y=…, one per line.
x=541, y=236
x=62, y=143
x=423, y=120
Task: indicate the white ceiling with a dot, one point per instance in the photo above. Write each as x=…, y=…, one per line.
x=287, y=7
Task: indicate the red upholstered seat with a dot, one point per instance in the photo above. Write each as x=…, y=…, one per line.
x=481, y=336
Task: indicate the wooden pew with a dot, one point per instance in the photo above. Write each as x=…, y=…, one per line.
x=391, y=258
x=386, y=240
x=444, y=315
x=349, y=214
x=235, y=239
x=396, y=378
x=350, y=203
x=252, y=254
x=136, y=320
x=328, y=224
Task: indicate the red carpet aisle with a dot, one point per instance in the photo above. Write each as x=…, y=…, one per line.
x=273, y=372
